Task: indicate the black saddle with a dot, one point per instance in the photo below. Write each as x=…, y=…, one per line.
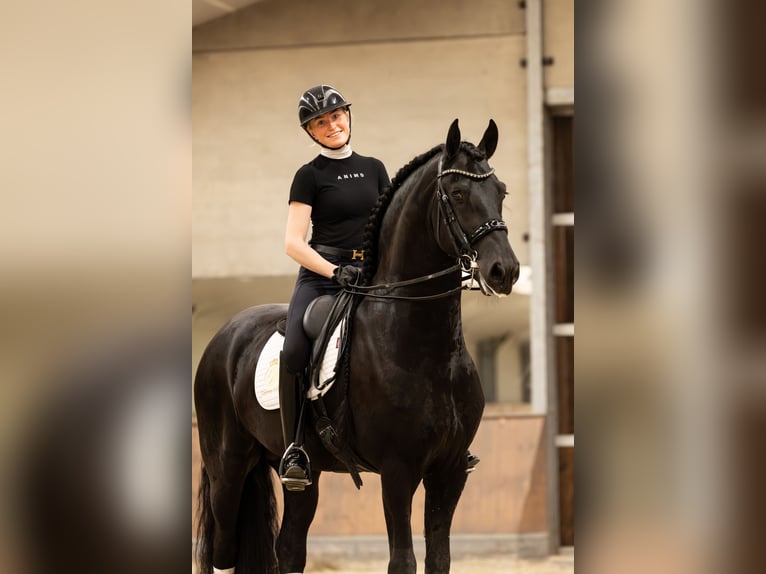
x=316, y=315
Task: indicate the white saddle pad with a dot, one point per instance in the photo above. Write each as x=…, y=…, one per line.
x=267, y=370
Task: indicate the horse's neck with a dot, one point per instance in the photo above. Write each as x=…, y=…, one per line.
x=408, y=249
x=407, y=244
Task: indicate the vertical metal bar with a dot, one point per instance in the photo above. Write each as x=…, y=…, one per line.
x=544, y=395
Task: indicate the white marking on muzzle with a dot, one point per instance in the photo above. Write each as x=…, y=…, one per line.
x=487, y=290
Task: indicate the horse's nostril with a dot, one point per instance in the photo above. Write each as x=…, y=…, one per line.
x=497, y=272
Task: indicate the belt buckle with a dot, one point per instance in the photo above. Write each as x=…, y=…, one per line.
x=357, y=255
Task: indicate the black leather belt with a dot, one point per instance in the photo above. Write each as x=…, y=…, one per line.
x=338, y=252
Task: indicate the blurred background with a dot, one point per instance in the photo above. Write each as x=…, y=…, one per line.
x=409, y=69
x=95, y=215
x=671, y=175
x=95, y=257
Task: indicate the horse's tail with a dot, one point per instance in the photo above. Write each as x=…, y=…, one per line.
x=205, y=525
x=257, y=524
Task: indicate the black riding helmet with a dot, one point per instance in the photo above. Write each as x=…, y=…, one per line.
x=317, y=101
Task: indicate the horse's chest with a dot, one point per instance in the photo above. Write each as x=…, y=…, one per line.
x=415, y=402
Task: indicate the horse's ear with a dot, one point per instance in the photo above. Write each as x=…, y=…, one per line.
x=488, y=143
x=453, y=140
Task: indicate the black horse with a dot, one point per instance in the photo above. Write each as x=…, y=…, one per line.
x=413, y=395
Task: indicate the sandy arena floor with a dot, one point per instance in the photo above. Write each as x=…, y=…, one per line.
x=563, y=564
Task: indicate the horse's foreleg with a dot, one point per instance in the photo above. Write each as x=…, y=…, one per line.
x=398, y=488
x=300, y=508
x=443, y=490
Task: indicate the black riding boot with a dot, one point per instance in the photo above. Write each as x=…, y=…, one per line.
x=294, y=468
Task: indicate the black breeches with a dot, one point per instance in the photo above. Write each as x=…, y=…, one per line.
x=296, y=351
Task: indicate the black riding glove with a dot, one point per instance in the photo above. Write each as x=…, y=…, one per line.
x=346, y=275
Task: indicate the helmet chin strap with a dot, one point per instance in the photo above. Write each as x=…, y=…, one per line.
x=328, y=147
x=340, y=152
x=335, y=148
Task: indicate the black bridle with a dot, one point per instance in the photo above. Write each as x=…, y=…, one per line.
x=464, y=242
x=466, y=254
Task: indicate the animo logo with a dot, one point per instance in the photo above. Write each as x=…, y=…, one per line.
x=350, y=176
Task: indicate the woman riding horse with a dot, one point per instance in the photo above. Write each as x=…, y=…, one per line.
x=409, y=400
x=335, y=192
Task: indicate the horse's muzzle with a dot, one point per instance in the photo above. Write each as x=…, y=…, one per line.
x=499, y=276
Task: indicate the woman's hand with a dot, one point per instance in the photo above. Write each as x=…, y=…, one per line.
x=346, y=275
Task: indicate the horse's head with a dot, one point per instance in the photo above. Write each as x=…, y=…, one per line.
x=470, y=224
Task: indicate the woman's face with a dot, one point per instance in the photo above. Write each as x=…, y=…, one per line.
x=331, y=129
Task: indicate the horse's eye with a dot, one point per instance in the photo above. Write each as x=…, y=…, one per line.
x=457, y=194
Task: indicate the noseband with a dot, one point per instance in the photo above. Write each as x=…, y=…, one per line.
x=466, y=254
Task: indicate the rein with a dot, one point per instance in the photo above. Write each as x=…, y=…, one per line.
x=467, y=254
x=363, y=289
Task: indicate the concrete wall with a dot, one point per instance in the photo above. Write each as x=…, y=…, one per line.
x=274, y=23
x=558, y=42
x=511, y=369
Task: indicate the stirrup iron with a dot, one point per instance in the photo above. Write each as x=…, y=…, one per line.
x=295, y=483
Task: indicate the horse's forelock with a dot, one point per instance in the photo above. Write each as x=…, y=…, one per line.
x=473, y=152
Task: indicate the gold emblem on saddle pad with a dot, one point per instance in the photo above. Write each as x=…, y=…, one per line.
x=272, y=375
x=357, y=255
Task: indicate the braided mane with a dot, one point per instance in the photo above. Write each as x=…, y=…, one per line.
x=372, y=229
